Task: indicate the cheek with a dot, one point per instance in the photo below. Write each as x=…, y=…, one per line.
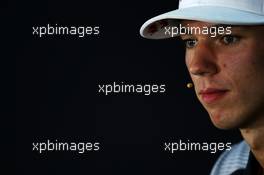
x=237, y=67
x=245, y=62
x=244, y=71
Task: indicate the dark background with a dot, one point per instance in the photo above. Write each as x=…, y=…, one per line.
x=57, y=95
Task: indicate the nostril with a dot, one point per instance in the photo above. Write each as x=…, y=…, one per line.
x=202, y=68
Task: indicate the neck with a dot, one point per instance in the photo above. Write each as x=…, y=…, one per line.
x=254, y=136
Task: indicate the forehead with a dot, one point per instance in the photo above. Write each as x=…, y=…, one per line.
x=191, y=23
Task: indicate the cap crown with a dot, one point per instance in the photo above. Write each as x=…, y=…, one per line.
x=254, y=6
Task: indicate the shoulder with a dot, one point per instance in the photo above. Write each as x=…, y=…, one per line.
x=232, y=160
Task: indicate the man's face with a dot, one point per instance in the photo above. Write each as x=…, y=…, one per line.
x=228, y=73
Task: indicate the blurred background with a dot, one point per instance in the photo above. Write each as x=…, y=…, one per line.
x=57, y=97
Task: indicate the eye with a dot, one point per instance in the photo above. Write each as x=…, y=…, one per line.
x=230, y=39
x=190, y=43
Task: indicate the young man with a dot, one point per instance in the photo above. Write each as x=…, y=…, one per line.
x=225, y=58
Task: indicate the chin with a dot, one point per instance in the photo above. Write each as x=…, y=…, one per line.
x=225, y=122
x=225, y=126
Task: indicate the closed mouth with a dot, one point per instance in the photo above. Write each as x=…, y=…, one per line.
x=211, y=95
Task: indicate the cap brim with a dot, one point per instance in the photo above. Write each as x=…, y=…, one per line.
x=155, y=27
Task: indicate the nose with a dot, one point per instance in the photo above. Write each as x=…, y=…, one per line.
x=201, y=60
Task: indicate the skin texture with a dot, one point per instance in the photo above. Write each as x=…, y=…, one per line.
x=234, y=64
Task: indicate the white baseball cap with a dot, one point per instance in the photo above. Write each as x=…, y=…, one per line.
x=230, y=12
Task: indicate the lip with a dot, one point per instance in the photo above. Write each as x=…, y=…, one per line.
x=211, y=95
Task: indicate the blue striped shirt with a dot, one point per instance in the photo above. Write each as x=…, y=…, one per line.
x=233, y=160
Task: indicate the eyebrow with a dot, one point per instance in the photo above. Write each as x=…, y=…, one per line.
x=222, y=25
x=226, y=25
x=233, y=28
